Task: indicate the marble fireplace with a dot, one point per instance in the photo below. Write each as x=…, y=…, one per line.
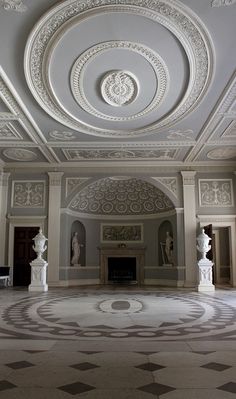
x=122, y=264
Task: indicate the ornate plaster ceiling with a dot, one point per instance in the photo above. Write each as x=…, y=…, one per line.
x=120, y=196
x=112, y=82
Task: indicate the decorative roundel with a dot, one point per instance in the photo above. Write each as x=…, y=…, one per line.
x=20, y=154
x=222, y=153
x=107, y=77
x=123, y=202
x=119, y=88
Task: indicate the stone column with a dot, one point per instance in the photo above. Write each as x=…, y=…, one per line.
x=189, y=227
x=3, y=213
x=54, y=205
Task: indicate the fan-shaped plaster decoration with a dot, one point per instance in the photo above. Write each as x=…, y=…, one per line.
x=153, y=86
x=120, y=197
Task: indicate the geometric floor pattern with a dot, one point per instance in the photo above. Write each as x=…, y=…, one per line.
x=118, y=344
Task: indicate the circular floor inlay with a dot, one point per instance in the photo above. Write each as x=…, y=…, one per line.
x=120, y=305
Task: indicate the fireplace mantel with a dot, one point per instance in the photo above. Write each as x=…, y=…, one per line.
x=135, y=251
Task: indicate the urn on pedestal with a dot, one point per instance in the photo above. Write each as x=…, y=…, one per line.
x=39, y=265
x=204, y=264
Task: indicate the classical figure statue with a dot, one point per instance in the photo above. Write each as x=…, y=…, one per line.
x=75, y=249
x=169, y=247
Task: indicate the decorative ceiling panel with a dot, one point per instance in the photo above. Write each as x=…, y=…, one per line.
x=120, y=196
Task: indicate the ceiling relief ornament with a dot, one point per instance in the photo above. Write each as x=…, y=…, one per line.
x=174, y=16
x=222, y=153
x=14, y=5
x=61, y=136
x=230, y=131
x=169, y=182
x=120, y=197
x=102, y=154
x=119, y=88
x=7, y=131
x=108, y=86
x=180, y=134
x=220, y=3
x=73, y=184
x=28, y=194
x=19, y=154
x=216, y=192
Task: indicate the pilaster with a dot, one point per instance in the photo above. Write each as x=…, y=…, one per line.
x=4, y=177
x=54, y=205
x=189, y=199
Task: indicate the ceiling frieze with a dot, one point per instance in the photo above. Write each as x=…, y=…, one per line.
x=176, y=18
x=220, y=3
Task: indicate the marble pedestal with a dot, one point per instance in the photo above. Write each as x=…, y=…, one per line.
x=205, y=275
x=38, y=275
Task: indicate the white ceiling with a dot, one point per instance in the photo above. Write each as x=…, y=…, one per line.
x=118, y=83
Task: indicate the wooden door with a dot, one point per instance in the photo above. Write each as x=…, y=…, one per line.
x=23, y=254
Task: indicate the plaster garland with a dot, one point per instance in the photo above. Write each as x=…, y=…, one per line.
x=174, y=16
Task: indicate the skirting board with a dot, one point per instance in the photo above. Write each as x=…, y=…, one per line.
x=164, y=282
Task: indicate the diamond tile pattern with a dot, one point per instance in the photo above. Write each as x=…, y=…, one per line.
x=4, y=385
x=229, y=387
x=216, y=366
x=84, y=366
x=19, y=365
x=76, y=388
x=150, y=367
x=156, y=389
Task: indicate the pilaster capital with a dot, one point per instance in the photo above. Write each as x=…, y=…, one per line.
x=4, y=179
x=55, y=178
x=188, y=177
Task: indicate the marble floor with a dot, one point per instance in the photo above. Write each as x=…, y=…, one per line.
x=117, y=343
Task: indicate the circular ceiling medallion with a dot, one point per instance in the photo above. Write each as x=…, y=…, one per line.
x=119, y=88
x=222, y=153
x=66, y=79
x=20, y=154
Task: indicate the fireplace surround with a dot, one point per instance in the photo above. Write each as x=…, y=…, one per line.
x=135, y=252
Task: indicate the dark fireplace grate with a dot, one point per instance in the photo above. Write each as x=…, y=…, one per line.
x=122, y=269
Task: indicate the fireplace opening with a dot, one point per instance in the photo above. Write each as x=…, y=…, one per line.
x=122, y=269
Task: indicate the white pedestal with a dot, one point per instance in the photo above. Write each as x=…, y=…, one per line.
x=38, y=275
x=205, y=276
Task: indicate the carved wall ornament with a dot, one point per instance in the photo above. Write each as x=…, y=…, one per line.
x=28, y=194
x=90, y=154
x=74, y=183
x=114, y=232
x=172, y=15
x=120, y=197
x=216, y=192
x=169, y=182
x=14, y=5
x=119, y=88
x=220, y=3
x=55, y=178
x=20, y=154
x=222, y=153
x=62, y=136
x=107, y=84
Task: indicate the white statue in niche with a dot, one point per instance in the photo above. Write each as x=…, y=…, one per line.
x=75, y=249
x=169, y=248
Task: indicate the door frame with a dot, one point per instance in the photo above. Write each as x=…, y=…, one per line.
x=21, y=221
x=228, y=221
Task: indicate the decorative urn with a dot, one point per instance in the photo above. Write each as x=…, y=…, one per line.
x=203, y=244
x=39, y=244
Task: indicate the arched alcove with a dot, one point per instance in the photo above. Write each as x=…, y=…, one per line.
x=78, y=229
